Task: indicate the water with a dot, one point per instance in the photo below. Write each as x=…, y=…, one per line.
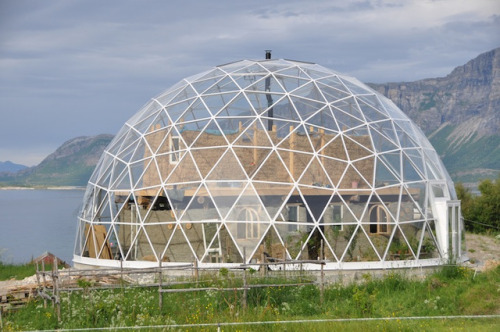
x=35, y=221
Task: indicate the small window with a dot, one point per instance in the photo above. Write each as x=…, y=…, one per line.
x=337, y=215
x=293, y=216
x=174, y=148
x=379, y=220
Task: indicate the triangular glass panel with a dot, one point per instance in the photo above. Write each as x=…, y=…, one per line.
x=392, y=161
x=245, y=80
x=187, y=134
x=413, y=234
x=296, y=162
x=333, y=146
x=406, y=139
x=179, y=199
x=370, y=113
x=311, y=245
x=315, y=175
x=158, y=236
x=211, y=136
x=365, y=169
x=388, y=198
x=335, y=83
x=297, y=140
x=270, y=247
x=197, y=111
x=348, y=107
x=185, y=171
x=251, y=158
x=261, y=101
x=283, y=109
x=248, y=208
x=290, y=83
x=355, y=86
x=237, y=107
x=247, y=234
x=206, y=159
x=324, y=119
x=272, y=196
x=409, y=171
x=415, y=155
x=230, y=252
x=373, y=101
x=202, y=85
x=365, y=248
x=178, y=249
x=228, y=168
x=269, y=83
x=216, y=102
x=213, y=249
x=399, y=249
x=317, y=200
x=379, y=242
x=175, y=111
x=120, y=181
x=381, y=143
x=225, y=195
x=386, y=128
x=224, y=85
x=305, y=107
x=350, y=243
x=273, y=170
x=253, y=134
x=151, y=176
x=155, y=139
x=428, y=247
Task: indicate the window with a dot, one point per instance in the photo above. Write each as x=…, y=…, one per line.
x=379, y=220
x=251, y=228
x=293, y=216
x=337, y=215
x=174, y=148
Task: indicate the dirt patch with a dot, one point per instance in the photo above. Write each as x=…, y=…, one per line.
x=483, y=251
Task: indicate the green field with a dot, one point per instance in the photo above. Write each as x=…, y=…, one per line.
x=451, y=291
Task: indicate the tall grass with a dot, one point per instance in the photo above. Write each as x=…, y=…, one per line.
x=450, y=291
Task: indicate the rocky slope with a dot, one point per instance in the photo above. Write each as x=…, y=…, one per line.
x=460, y=113
x=70, y=165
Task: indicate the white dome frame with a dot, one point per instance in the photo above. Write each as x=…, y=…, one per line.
x=267, y=158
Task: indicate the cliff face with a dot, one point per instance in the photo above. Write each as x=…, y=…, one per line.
x=460, y=113
x=70, y=165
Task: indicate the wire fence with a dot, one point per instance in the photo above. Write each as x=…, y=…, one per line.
x=482, y=224
x=281, y=322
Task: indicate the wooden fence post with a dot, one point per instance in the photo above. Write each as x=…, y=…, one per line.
x=322, y=285
x=245, y=291
x=160, y=294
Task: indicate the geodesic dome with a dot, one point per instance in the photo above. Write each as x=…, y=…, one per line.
x=269, y=160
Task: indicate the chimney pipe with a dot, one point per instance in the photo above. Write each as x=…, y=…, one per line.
x=268, y=54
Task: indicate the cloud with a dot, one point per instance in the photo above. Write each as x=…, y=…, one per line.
x=72, y=68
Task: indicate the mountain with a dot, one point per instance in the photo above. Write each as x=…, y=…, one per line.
x=70, y=165
x=10, y=167
x=459, y=113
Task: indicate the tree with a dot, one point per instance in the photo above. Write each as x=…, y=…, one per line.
x=484, y=209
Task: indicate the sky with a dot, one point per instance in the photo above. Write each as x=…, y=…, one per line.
x=73, y=68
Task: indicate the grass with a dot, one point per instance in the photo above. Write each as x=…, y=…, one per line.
x=19, y=271
x=451, y=291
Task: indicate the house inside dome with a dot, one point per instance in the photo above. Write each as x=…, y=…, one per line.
x=267, y=160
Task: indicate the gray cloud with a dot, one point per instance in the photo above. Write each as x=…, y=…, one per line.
x=71, y=68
